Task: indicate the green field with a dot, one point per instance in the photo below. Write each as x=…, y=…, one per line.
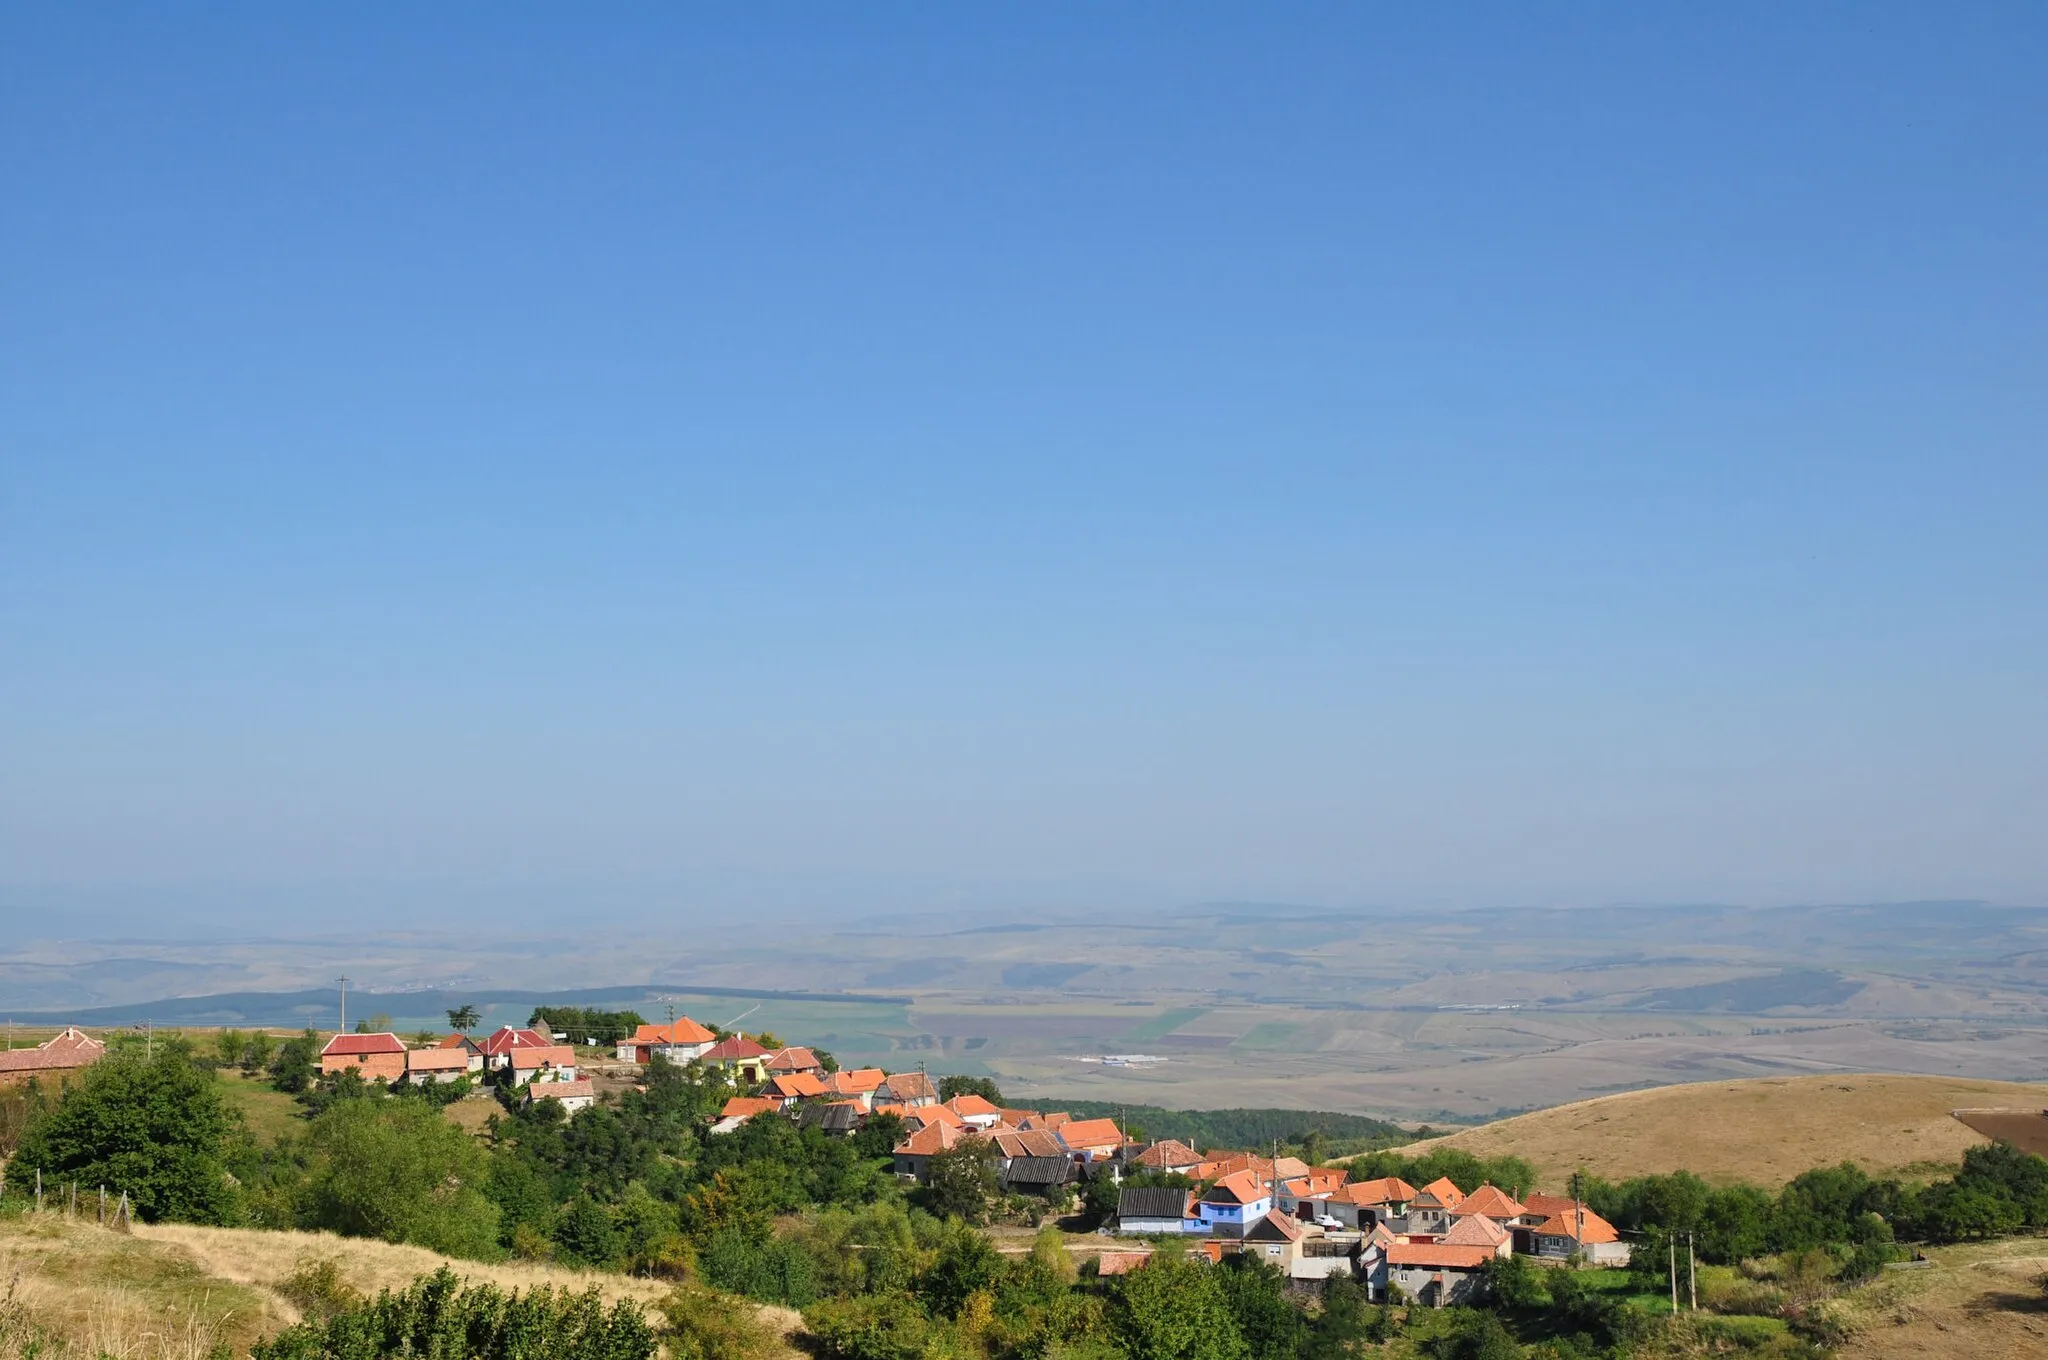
x=269, y=1114
x=1273, y=1034
x=1165, y=1023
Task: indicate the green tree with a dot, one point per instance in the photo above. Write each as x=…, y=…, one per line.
x=1513, y=1283
x=586, y=1232
x=152, y=1127
x=962, y=1180
x=984, y=1087
x=228, y=1046
x=398, y=1170
x=704, y=1325
x=1342, y=1324
x=256, y=1051
x=463, y=1018
x=1272, y=1328
x=1174, y=1310
x=1477, y=1335
x=295, y=1064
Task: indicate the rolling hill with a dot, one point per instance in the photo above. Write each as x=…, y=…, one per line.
x=1765, y=1130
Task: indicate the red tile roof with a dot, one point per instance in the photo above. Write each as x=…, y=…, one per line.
x=457, y=1041
x=860, y=1081
x=1385, y=1190
x=561, y=1090
x=1443, y=1190
x=1437, y=1256
x=971, y=1106
x=1120, y=1262
x=436, y=1060
x=1491, y=1200
x=1166, y=1153
x=682, y=1033
x=1597, y=1230
x=73, y=1048
x=533, y=1059
x=1318, y=1182
x=1475, y=1230
x=1241, y=1187
x=746, y=1107
x=739, y=1048
x=505, y=1039
x=361, y=1045
x=796, y=1085
x=932, y=1138
x=1090, y=1134
x=912, y=1086
x=793, y=1060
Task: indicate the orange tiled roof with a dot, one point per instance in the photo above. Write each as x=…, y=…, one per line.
x=561, y=1090
x=1475, y=1230
x=746, y=1107
x=739, y=1048
x=1491, y=1200
x=361, y=1045
x=1596, y=1232
x=1168, y=1152
x=932, y=1138
x=1091, y=1133
x=797, y=1086
x=1437, y=1256
x=1027, y=1143
x=1056, y=1119
x=858, y=1082
x=436, y=1060
x=912, y=1086
x=683, y=1032
x=971, y=1106
x=1318, y=1182
x=554, y=1055
x=792, y=1060
x=1241, y=1187
x=1385, y=1190
x=1443, y=1190
x=1120, y=1262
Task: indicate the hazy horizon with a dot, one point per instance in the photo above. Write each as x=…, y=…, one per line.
x=817, y=463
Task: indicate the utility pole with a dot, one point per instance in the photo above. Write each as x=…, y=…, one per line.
x=344, y=1005
x=1673, y=1240
x=1692, y=1274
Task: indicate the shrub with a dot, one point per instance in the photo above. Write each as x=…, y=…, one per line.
x=318, y=1290
x=704, y=1325
x=435, y=1316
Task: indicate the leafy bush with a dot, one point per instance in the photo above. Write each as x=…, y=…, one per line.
x=703, y=1325
x=437, y=1317
x=318, y=1290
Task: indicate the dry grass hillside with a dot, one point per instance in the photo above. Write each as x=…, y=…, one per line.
x=1976, y=1302
x=1764, y=1131
x=171, y=1291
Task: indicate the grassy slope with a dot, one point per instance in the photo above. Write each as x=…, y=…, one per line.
x=168, y=1291
x=1977, y=1301
x=1765, y=1131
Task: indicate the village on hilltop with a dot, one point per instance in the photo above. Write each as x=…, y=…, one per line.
x=1430, y=1244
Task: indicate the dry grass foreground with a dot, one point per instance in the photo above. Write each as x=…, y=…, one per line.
x=1765, y=1131
x=1975, y=1303
x=170, y=1291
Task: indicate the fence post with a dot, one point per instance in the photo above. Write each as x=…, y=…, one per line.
x=39, y=1189
x=103, y=1206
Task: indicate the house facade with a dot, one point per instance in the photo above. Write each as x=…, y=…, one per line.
x=375, y=1057
x=680, y=1041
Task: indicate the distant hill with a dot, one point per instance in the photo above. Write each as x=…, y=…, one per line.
x=317, y=1008
x=1233, y=1128
x=1765, y=1131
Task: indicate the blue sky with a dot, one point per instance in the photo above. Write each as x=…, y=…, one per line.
x=689, y=459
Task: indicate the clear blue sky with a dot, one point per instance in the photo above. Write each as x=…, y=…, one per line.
x=870, y=456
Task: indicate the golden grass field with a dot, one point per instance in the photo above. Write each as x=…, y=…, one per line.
x=1978, y=1302
x=171, y=1291
x=1764, y=1131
